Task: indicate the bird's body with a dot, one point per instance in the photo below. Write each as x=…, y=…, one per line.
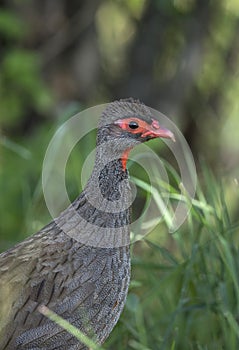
x=85, y=285
x=78, y=265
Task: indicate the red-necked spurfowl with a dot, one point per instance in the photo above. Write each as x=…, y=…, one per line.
x=79, y=264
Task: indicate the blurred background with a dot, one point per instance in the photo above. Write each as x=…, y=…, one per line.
x=58, y=57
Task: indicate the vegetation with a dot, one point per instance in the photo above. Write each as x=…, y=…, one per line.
x=184, y=292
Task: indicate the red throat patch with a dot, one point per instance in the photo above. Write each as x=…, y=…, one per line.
x=124, y=158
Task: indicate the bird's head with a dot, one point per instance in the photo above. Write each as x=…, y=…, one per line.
x=126, y=123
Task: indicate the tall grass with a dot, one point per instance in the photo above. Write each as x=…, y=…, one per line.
x=185, y=287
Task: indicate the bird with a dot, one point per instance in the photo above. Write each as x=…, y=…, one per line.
x=79, y=264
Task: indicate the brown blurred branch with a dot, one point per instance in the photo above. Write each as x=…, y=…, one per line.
x=70, y=32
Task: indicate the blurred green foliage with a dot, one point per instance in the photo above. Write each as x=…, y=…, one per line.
x=11, y=26
x=185, y=288
x=21, y=87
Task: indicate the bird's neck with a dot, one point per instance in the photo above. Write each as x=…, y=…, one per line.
x=108, y=187
x=111, y=179
x=102, y=211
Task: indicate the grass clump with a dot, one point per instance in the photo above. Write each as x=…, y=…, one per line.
x=185, y=288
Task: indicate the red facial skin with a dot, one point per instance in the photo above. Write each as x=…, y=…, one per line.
x=150, y=131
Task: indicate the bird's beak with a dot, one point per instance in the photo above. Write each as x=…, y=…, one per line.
x=155, y=130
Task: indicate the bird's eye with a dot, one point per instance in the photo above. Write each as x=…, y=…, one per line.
x=133, y=125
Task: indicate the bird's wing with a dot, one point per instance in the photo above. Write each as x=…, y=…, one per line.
x=79, y=283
